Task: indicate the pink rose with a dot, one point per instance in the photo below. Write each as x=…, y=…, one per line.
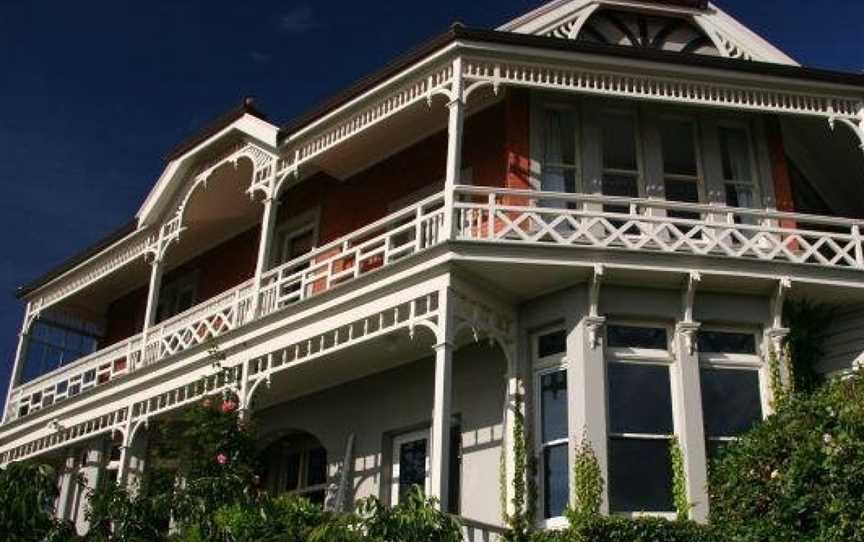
x=222, y=459
x=228, y=406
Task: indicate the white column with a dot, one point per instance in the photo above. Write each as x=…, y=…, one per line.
x=455, y=127
x=156, y=269
x=689, y=422
x=66, y=498
x=586, y=393
x=90, y=470
x=20, y=352
x=133, y=462
x=265, y=243
x=513, y=389
x=441, y=412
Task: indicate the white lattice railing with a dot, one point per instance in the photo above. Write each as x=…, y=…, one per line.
x=377, y=245
x=372, y=247
x=604, y=222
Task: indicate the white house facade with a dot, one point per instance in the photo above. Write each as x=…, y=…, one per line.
x=590, y=217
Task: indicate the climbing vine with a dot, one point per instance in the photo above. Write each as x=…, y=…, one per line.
x=679, y=480
x=519, y=521
x=781, y=389
x=587, y=484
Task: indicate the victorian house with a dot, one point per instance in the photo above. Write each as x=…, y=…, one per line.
x=592, y=214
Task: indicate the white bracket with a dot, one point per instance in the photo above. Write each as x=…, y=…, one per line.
x=594, y=322
x=857, y=126
x=778, y=300
x=688, y=327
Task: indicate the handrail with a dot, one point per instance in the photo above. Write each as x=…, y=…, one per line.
x=660, y=204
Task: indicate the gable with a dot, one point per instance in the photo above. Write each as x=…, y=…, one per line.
x=686, y=26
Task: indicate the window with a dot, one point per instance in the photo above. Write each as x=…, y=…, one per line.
x=297, y=465
x=52, y=345
x=293, y=242
x=177, y=296
x=560, y=164
x=738, y=172
x=731, y=387
x=640, y=420
x=410, y=464
x=554, y=442
x=682, y=177
x=621, y=169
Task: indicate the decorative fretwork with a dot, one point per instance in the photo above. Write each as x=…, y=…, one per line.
x=417, y=89
x=59, y=436
x=482, y=319
x=579, y=220
x=634, y=29
x=666, y=89
x=422, y=310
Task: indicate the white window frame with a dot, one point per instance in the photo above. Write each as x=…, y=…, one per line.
x=696, y=125
x=185, y=283
x=572, y=107
x=739, y=362
x=542, y=366
x=635, y=115
x=650, y=357
x=398, y=441
x=755, y=177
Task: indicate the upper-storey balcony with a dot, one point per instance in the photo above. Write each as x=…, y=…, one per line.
x=543, y=185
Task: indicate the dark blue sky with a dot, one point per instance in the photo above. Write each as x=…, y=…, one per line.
x=94, y=94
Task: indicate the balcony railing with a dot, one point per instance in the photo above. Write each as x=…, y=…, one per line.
x=649, y=225
x=487, y=215
x=393, y=238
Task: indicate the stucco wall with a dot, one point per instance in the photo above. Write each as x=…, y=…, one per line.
x=378, y=407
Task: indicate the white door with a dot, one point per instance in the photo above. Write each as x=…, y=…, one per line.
x=410, y=464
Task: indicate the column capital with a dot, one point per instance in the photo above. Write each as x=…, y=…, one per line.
x=777, y=335
x=688, y=331
x=594, y=324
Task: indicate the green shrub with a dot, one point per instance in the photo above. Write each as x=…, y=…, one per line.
x=117, y=514
x=618, y=529
x=27, y=494
x=415, y=519
x=799, y=476
x=284, y=519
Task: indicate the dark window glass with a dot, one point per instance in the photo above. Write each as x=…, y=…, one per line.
x=731, y=401
x=552, y=343
x=640, y=475
x=412, y=466
x=619, y=142
x=620, y=185
x=637, y=337
x=52, y=346
x=553, y=396
x=683, y=191
x=317, y=473
x=640, y=399
x=292, y=472
x=560, y=137
x=679, y=150
x=556, y=490
x=735, y=151
x=722, y=342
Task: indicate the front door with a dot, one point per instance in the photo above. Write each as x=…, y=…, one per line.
x=410, y=464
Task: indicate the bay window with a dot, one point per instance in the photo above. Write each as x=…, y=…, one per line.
x=730, y=374
x=553, y=442
x=641, y=424
x=51, y=345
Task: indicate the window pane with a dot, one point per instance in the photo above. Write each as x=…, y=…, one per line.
x=556, y=179
x=317, y=473
x=684, y=191
x=553, y=397
x=412, y=466
x=637, y=337
x=640, y=476
x=735, y=150
x=727, y=342
x=640, y=399
x=556, y=487
x=560, y=137
x=679, y=150
x=292, y=472
x=552, y=343
x=731, y=401
x=619, y=142
x=620, y=185
x=739, y=196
